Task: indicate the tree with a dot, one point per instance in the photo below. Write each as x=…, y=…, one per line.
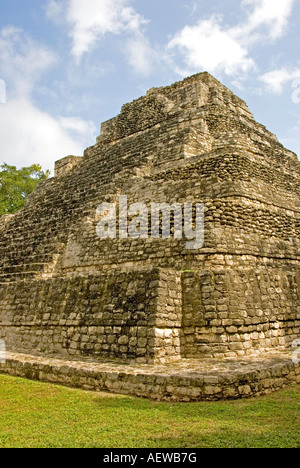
x=17, y=184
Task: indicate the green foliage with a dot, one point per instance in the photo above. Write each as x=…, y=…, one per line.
x=17, y=184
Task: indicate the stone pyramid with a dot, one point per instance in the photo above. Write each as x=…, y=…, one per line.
x=66, y=291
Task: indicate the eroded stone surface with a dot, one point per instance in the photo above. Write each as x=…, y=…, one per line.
x=64, y=290
x=185, y=380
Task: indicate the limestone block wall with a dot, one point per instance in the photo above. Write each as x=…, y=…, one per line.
x=64, y=165
x=155, y=315
x=64, y=290
x=228, y=313
x=127, y=316
x=248, y=182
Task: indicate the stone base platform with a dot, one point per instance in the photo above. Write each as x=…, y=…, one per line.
x=186, y=380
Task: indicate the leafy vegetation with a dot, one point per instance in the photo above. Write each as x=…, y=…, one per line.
x=41, y=415
x=17, y=184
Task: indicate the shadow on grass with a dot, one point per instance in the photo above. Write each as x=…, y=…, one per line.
x=269, y=421
x=34, y=414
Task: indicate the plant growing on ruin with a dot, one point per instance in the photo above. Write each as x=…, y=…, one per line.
x=17, y=184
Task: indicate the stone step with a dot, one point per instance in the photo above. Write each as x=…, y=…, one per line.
x=185, y=380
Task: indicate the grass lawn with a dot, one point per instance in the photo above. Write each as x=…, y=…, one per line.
x=39, y=415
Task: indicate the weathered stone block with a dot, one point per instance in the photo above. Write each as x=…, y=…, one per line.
x=64, y=290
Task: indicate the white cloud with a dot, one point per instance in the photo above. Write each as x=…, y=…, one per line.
x=211, y=45
x=272, y=15
x=29, y=135
x=91, y=20
x=207, y=46
x=275, y=80
x=140, y=54
x=54, y=9
x=23, y=60
x=75, y=124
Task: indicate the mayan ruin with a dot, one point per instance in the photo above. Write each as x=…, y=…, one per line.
x=158, y=316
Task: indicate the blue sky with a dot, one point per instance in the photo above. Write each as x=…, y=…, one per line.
x=68, y=65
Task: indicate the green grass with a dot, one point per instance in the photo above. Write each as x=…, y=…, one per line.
x=39, y=415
